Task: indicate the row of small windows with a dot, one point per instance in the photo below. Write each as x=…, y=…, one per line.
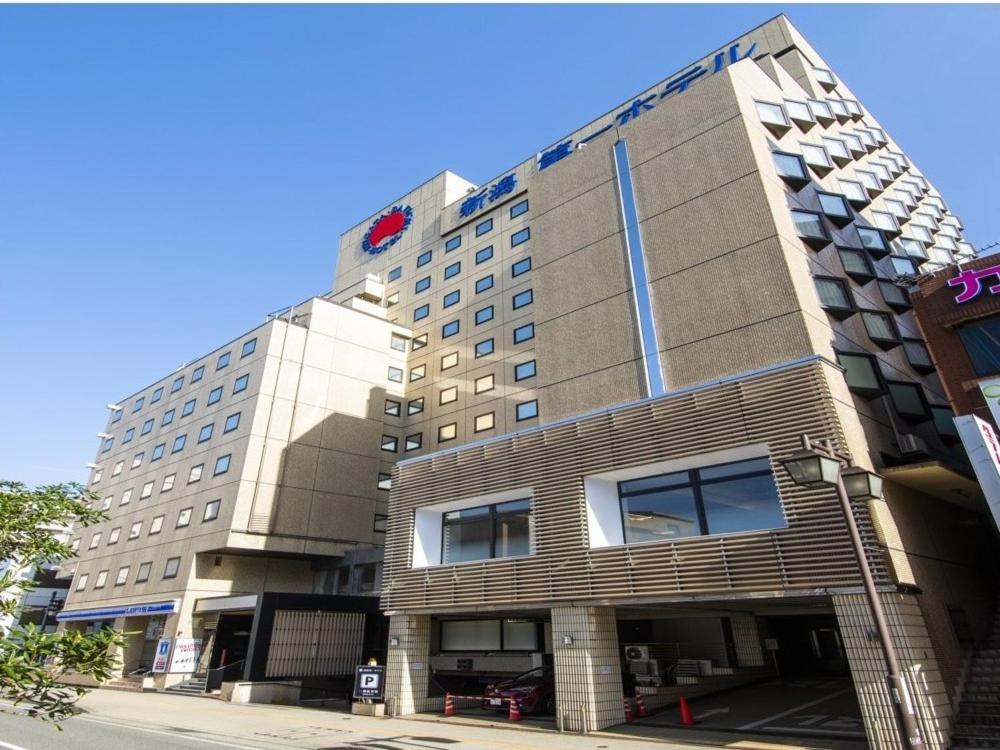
x=231, y=423
x=517, y=269
x=196, y=375
x=483, y=315
x=194, y=475
x=170, y=570
x=484, y=384
x=390, y=444
x=214, y=396
x=210, y=513
x=517, y=238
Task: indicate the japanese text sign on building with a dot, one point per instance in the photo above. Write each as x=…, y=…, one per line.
x=676, y=85
x=369, y=681
x=497, y=190
x=971, y=282
x=187, y=651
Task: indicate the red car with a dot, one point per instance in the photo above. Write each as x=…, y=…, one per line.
x=535, y=692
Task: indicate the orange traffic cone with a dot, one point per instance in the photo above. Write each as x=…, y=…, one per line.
x=515, y=710
x=687, y=719
x=640, y=707
x=628, y=711
x=449, y=705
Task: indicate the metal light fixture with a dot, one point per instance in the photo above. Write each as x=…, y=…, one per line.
x=861, y=484
x=811, y=469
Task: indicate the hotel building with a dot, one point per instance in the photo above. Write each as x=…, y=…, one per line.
x=579, y=381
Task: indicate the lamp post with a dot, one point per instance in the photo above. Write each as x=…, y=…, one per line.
x=819, y=464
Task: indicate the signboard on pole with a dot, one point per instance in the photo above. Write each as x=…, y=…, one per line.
x=187, y=651
x=162, y=655
x=983, y=447
x=369, y=682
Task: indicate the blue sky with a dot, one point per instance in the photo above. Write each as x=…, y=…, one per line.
x=170, y=174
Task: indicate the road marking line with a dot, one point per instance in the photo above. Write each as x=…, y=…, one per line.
x=783, y=714
x=9, y=746
x=815, y=730
x=175, y=735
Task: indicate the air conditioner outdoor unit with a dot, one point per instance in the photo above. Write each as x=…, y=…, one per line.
x=912, y=444
x=633, y=653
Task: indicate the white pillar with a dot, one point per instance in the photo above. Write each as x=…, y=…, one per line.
x=587, y=669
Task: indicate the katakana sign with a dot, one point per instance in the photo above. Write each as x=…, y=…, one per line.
x=971, y=282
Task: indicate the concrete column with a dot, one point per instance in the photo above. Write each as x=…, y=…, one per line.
x=747, y=641
x=407, y=667
x=868, y=669
x=120, y=653
x=588, y=670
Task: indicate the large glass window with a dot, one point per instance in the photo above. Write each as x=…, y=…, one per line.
x=771, y=114
x=487, y=531
x=880, y=327
x=791, y=168
x=809, y=226
x=982, y=344
x=834, y=294
x=721, y=499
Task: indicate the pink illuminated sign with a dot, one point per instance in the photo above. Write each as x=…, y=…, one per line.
x=971, y=282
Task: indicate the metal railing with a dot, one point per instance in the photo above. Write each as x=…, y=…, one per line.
x=228, y=673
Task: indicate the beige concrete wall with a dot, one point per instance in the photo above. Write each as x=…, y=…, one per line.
x=588, y=670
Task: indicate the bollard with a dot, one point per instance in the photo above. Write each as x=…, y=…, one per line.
x=687, y=719
x=449, y=705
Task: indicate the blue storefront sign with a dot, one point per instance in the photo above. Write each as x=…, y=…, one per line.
x=109, y=613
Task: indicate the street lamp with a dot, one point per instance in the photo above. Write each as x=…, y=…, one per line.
x=820, y=465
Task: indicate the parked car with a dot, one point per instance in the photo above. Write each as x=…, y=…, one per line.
x=535, y=692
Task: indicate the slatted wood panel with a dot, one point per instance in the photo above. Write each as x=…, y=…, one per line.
x=314, y=644
x=773, y=408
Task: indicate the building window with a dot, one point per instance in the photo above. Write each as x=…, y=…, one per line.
x=168, y=417
x=772, y=114
x=147, y=490
x=380, y=522
x=520, y=237
x=413, y=442
x=424, y=258
x=837, y=150
x=903, y=266
x=791, y=168
x=95, y=540
x=821, y=111
x=909, y=401
x=188, y=408
x=392, y=408
x=394, y=273
x=880, y=328
x=147, y=427
x=137, y=460
x=418, y=373
x=211, y=510
x=106, y=502
x=484, y=283
x=419, y=313
x=179, y=443
x=484, y=422
x=98, y=473
x=484, y=255
x=395, y=375
x=81, y=582
x=484, y=314
x=486, y=532
x=172, y=567
x=855, y=192
x=484, y=347
x=122, y=577
x=126, y=497
x=241, y=384
x=527, y=410
x=419, y=342
x=177, y=384
x=422, y=285
x=119, y=465
x=483, y=227
x=799, y=112
x=522, y=266
x=835, y=296
x=524, y=333
x=720, y=499
x=397, y=343
x=484, y=384
x=108, y=443
x=835, y=208
x=453, y=244
x=384, y=481
x=222, y=464
x=232, y=422
x=116, y=416
x=156, y=525
x=981, y=340
x=452, y=298
x=856, y=265
x=195, y=474
x=873, y=241
x=138, y=404
x=127, y=437
x=809, y=226
x=168, y=483
x=197, y=374
x=944, y=423
x=223, y=361
x=519, y=208
x=142, y=574
x=415, y=406
x=449, y=329
x=205, y=433
x=183, y=518
x=524, y=370
x=449, y=360
x=390, y=444
x=523, y=299
x=248, y=348
x=817, y=158
x=447, y=432
x=918, y=355
x=115, y=535
x=453, y=269
x=135, y=530
x=102, y=578
x=448, y=395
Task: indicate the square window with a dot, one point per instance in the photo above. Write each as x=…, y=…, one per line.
x=241, y=384
x=81, y=582
x=170, y=569
x=147, y=490
x=484, y=347
x=835, y=206
x=419, y=313
x=134, y=530
x=873, y=241
x=223, y=361
x=95, y=540
x=448, y=395
x=126, y=497
x=453, y=269
x=447, y=432
x=449, y=329
x=106, y=502
x=205, y=433
x=422, y=285
x=195, y=474
x=854, y=191
x=214, y=396
x=142, y=574
x=157, y=395
x=523, y=299
x=156, y=525
x=520, y=237
x=384, y=481
x=903, y=266
x=102, y=578
x=527, y=410
x=98, y=473
x=449, y=360
x=122, y=577
x=395, y=273
x=453, y=244
x=484, y=283
x=138, y=404
x=524, y=333
x=395, y=375
x=424, y=258
x=183, y=518
x=909, y=400
x=485, y=383
x=522, y=266
x=188, y=408
x=198, y=373
x=419, y=342
x=179, y=443
x=834, y=296
x=115, y=535
x=137, y=460
x=413, y=442
x=168, y=483
x=116, y=416
x=168, y=417
x=485, y=314
x=484, y=422
x=484, y=255
x=809, y=226
x=799, y=111
x=880, y=327
x=211, y=510
x=821, y=110
x=127, y=437
x=524, y=370
x=415, y=406
x=392, y=408
x=483, y=227
x=248, y=348
x=177, y=384
x=791, y=168
x=772, y=114
x=918, y=355
x=816, y=156
x=119, y=465
x=222, y=464
x=519, y=208
x=147, y=427
x=825, y=76
x=452, y=298
x=418, y=372
x=390, y=444
x=397, y=343
x=108, y=443
x=837, y=149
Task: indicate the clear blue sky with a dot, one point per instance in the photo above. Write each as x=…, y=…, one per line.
x=168, y=175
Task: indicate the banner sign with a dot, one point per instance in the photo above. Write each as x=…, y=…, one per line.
x=981, y=444
x=187, y=651
x=162, y=655
x=369, y=682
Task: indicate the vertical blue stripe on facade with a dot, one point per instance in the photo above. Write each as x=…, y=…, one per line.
x=655, y=385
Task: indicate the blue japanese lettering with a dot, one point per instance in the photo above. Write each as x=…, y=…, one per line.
x=504, y=186
x=635, y=109
x=554, y=154
x=472, y=204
